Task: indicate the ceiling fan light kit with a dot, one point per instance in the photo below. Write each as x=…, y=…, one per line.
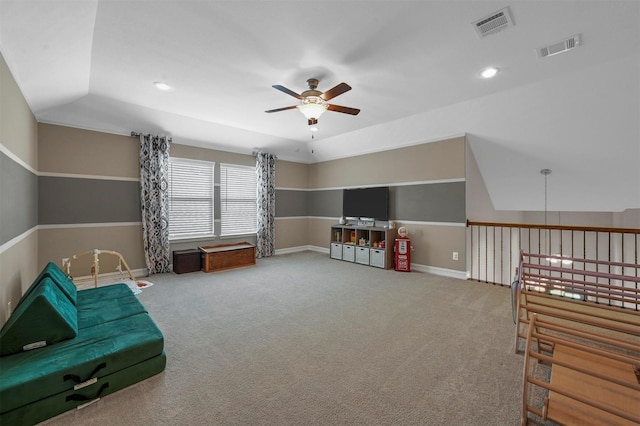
x=312, y=107
x=313, y=103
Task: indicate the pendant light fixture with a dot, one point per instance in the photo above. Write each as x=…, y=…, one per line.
x=546, y=173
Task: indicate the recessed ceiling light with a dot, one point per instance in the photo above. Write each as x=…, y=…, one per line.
x=162, y=86
x=489, y=72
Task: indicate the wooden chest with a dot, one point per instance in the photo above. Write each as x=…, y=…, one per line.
x=186, y=261
x=227, y=256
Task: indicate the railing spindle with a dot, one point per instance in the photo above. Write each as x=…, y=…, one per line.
x=494, y=247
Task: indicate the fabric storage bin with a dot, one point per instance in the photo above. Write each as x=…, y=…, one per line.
x=186, y=261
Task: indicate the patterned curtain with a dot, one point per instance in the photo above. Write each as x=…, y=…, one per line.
x=154, y=199
x=266, y=179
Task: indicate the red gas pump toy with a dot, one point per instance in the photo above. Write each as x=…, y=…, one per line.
x=403, y=250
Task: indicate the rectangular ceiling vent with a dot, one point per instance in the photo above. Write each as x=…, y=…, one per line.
x=493, y=23
x=559, y=47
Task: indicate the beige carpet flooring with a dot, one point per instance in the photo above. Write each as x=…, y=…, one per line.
x=301, y=339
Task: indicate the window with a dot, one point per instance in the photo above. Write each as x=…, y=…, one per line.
x=238, y=200
x=190, y=198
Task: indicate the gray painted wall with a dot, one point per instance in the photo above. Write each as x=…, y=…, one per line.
x=325, y=203
x=18, y=199
x=73, y=200
x=430, y=202
x=291, y=203
x=60, y=200
x=437, y=202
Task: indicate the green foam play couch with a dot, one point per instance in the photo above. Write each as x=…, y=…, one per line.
x=62, y=348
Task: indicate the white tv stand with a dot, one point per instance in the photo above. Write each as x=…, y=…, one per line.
x=366, y=245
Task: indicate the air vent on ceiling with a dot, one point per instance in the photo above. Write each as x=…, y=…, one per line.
x=559, y=47
x=493, y=23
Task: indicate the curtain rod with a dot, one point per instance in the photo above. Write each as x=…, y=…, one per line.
x=137, y=135
x=255, y=153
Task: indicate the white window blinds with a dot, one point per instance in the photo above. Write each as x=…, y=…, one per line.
x=191, y=198
x=238, y=200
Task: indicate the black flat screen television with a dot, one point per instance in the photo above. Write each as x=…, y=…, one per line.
x=371, y=203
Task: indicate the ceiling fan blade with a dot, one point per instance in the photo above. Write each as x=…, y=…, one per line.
x=287, y=91
x=343, y=109
x=333, y=92
x=282, y=109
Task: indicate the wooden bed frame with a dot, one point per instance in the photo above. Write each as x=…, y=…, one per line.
x=581, y=319
x=594, y=374
x=555, y=286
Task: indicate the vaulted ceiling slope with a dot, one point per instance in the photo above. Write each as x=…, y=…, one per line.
x=413, y=66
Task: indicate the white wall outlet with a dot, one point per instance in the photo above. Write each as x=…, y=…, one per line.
x=64, y=260
x=455, y=255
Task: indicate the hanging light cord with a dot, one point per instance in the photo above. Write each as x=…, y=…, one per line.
x=546, y=172
x=545, y=199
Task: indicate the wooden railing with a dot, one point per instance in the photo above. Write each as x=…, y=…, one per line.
x=591, y=376
x=493, y=249
x=596, y=291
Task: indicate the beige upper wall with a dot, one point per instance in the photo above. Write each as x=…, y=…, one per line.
x=627, y=219
x=18, y=126
x=196, y=153
x=425, y=162
x=70, y=150
x=288, y=174
x=292, y=175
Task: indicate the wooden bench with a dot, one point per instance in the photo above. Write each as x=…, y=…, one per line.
x=595, y=372
x=227, y=256
x=548, y=287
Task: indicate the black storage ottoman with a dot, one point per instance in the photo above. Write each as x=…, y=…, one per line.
x=186, y=261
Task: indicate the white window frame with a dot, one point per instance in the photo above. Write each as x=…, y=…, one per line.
x=192, y=176
x=246, y=228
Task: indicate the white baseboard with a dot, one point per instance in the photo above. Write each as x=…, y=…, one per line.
x=451, y=273
x=301, y=248
x=444, y=272
x=319, y=249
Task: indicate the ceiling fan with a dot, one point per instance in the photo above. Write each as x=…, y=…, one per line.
x=313, y=102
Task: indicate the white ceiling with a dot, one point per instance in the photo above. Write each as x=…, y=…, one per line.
x=413, y=66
